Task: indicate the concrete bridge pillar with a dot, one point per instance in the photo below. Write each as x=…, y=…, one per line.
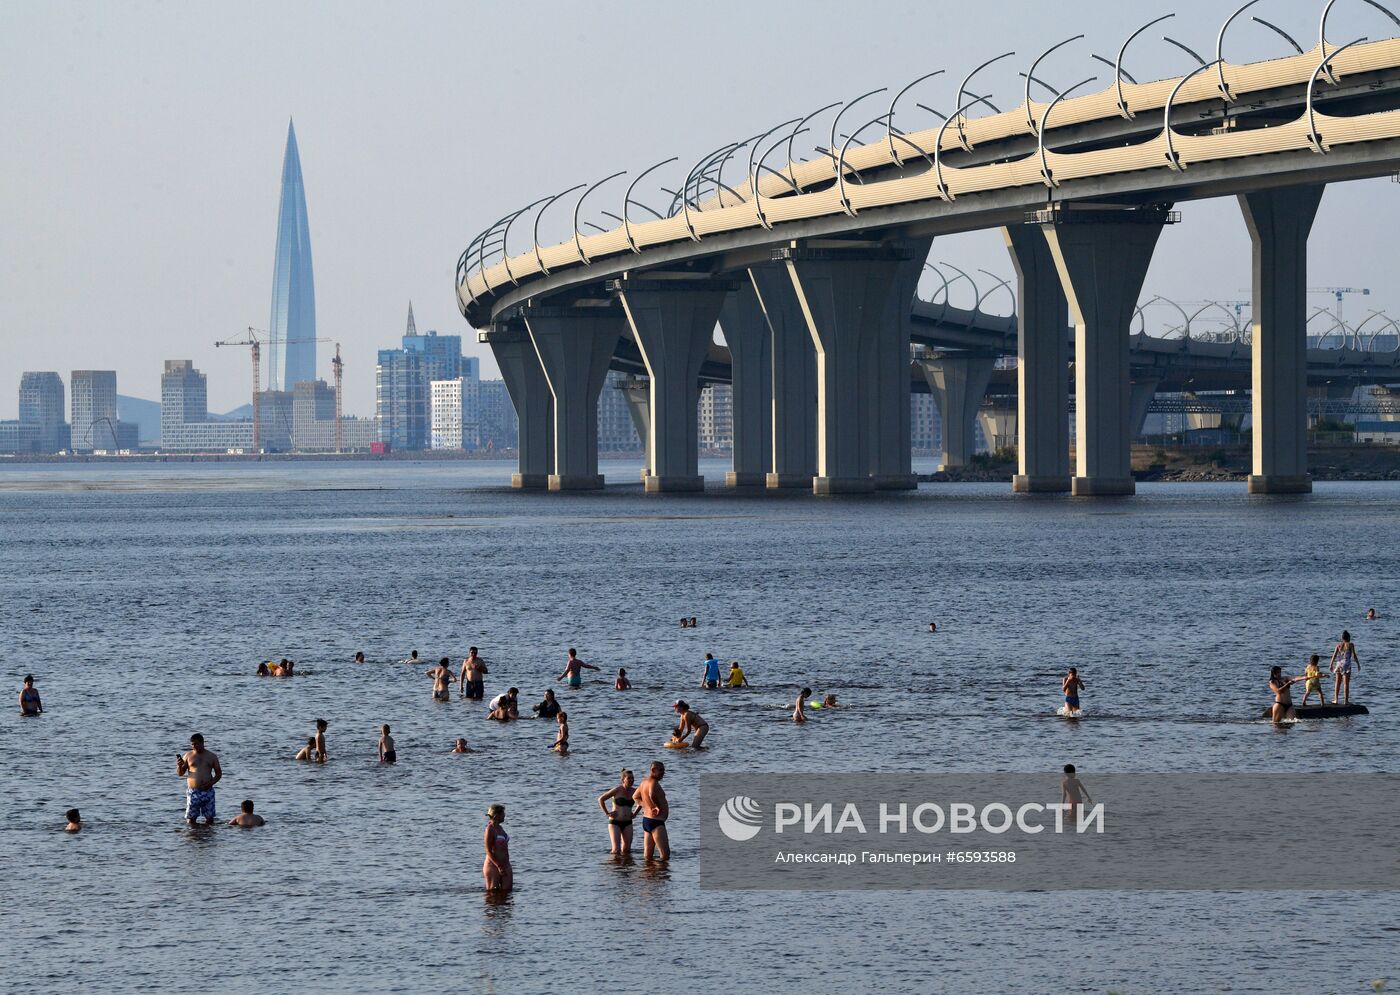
x=886, y=375
x=794, y=384
x=637, y=392
x=1102, y=258
x=843, y=292
x=1279, y=223
x=1140, y=395
x=530, y=394
x=958, y=382
x=1042, y=370
x=998, y=418
x=750, y=344
x=673, y=321
x=575, y=346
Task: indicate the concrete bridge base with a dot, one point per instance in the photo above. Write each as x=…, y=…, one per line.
x=673, y=483
x=1279, y=484
x=1055, y=484
x=885, y=377
x=533, y=401
x=736, y=479
x=793, y=449
x=958, y=382
x=750, y=344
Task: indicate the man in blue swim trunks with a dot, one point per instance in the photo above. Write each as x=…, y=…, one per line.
x=201, y=771
x=1071, y=686
x=573, y=670
x=711, y=678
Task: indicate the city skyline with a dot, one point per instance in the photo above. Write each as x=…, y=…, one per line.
x=136, y=237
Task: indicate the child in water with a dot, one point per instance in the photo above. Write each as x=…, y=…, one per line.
x=561, y=742
x=1070, y=687
x=387, y=754
x=460, y=746
x=676, y=743
x=75, y=821
x=1072, y=790
x=622, y=683
x=799, y=710
x=307, y=752
x=1313, y=674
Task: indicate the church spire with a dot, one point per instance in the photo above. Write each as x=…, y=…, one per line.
x=412, y=328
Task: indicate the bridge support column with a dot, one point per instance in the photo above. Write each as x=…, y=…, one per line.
x=1140, y=395
x=1042, y=370
x=1102, y=258
x=843, y=292
x=673, y=321
x=1279, y=223
x=575, y=347
x=887, y=377
x=751, y=361
x=637, y=391
x=958, y=382
x=794, y=384
x=534, y=404
x=998, y=419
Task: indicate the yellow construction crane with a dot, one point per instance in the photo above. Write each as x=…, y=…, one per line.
x=338, y=367
x=254, y=345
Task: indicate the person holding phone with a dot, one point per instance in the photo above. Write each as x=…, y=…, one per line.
x=201, y=771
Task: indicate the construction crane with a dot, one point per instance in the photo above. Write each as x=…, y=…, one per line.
x=1339, y=293
x=338, y=368
x=254, y=345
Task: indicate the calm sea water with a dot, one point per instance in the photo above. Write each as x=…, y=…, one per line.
x=143, y=597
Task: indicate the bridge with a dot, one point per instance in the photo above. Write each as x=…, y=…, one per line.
x=810, y=267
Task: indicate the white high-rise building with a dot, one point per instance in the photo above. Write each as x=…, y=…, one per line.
x=717, y=417
x=456, y=413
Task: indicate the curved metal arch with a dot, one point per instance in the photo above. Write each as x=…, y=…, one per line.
x=627, y=201
x=1044, y=117
x=1000, y=283
x=1030, y=74
x=1174, y=160
x=889, y=132
x=1313, y=136
x=505, y=236
x=1233, y=318
x=841, y=165
x=792, y=174
x=841, y=113
x=1322, y=26
x=1187, y=49
x=1185, y=318
x=1356, y=329
x=977, y=293
x=756, y=166
x=539, y=260
x=719, y=173
x=1142, y=321
x=700, y=166
x=962, y=135
x=481, y=245
x=1118, y=73
x=940, y=275
x=578, y=204
x=1336, y=322
x=1280, y=32
x=913, y=145
x=1220, y=51
x=1114, y=66
x=938, y=149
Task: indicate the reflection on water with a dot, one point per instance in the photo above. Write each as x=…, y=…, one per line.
x=142, y=602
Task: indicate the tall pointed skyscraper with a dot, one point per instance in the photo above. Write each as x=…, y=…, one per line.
x=293, y=322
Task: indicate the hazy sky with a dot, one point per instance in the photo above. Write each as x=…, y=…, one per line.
x=143, y=144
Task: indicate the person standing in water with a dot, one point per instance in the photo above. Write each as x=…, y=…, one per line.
x=75, y=821
x=442, y=679
x=201, y=771
x=1283, y=695
x=799, y=710
x=29, y=701
x=737, y=679
x=573, y=670
x=549, y=707
x=1344, y=660
x=496, y=870
x=1072, y=790
x=473, y=670
x=711, y=679
x=651, y=801
x=321, y=726
x=1370, y=614
x=1070, y=688
x=387, y=753
x=691, y=723
x=621, y=815
x=247, y=818
x=561, y=741
x=360, y=657
x=622, y=683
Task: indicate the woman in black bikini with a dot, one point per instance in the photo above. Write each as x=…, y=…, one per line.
x=1283, y=697
x=621, y=815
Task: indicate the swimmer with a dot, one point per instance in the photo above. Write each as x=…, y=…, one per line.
x=1072, y=790
x=264, y=670
x=321, y=725
x=413, y=658
x=828, y=702
x=694, y=622
x=933, y=627
x=710, y=680
x=505, y=707
x=573, y=670
x=360, y=657
x=246, y=819
x=307, y=752
x=622, y=683
x=621, y=815
x=799, y=710
x=275, y=670
x=561, y=741
x=288, y=666
x=1070, y=687
x=473, y=670
x=75, y=821
x=685, y=623
x=1283, y=697
x=460, y=746
x=442, y=678
x=29, y=701
x=1370, y=615
x=692, y=723
x=1344, y=659
x=497, y=870
x=677, y=741
x=737, y=679
x=651, y=802
x=1313, y=675
x=387, y=754
x=548, y=708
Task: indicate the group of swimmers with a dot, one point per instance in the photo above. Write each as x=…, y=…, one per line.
x=1345, y=661
x=282, y=668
